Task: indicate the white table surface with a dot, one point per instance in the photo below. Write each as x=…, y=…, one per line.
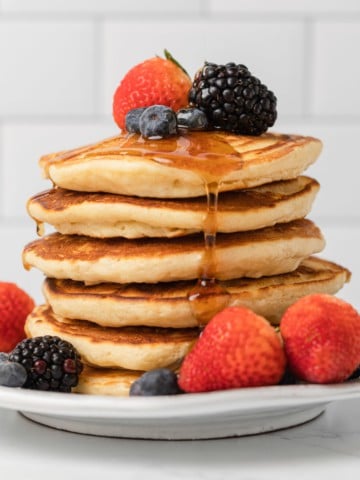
x=326, y=448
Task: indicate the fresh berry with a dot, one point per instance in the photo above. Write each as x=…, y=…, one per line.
x=355, y=374
x=192, y=118
x=161, y=381
x=158, y=121
x=132, y=120
x=321, y=334
x=51, y=363
x=288, y=378
x=233, y=99
x=15, y=305
x=12, y=374
x=237, y=349
x=157, y=80
x=4, y=357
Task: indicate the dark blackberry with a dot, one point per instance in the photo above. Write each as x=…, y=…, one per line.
x=51, y=363
x=233, y=99
x=160, y=381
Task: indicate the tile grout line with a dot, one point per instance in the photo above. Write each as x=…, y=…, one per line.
x=79, y=16
x=203, y=12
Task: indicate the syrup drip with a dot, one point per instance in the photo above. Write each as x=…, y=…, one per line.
x=210, y=230
x=40, y=230
x=208, y=297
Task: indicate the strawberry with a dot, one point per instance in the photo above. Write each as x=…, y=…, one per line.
x=321, y=334
x=156, y=81
x=236, y=349
x=15, y=305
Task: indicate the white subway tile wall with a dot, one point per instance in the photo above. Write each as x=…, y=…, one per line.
x=61, y=61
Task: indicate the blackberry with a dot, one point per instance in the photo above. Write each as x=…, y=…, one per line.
x=233, y=99
x=51, y=363
x=160, y=381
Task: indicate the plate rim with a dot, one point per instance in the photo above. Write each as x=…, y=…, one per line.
x=235, y=400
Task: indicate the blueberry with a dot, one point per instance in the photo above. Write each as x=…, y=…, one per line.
x=288, y=378
x=161, y=381
x=132, y=120
x=12, y=374
x=355, y=374
x=3, y=357
x=192, y=118
x=158, y=121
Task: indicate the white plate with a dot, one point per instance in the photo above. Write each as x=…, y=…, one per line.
x=188, y=416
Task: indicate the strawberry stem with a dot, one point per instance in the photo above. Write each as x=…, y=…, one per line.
x=168, y=56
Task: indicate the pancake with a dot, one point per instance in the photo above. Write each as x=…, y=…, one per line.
x=109, y=215
x=167, y=305
x=181, y=165
x=268, y=251
x=133, y=348
x=106, y=381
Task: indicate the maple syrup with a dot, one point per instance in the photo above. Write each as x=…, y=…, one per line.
x=211, y=158
x=208, y=297
x=40, y=229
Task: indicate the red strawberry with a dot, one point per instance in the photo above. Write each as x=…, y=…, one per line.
x=236, y=349
x=322, y=338
x=156, y=81
x=15, y=305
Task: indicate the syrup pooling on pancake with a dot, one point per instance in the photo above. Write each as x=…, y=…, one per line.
x=190, y=151
x=208, y=155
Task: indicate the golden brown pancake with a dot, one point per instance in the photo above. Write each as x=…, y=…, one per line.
x=106, y=381
x=180, y=166
x=110, y=215
x=268, y=251
x=167, y=304
x=133, y=348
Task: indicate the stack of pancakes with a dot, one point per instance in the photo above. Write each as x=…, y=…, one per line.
x=128, y=274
